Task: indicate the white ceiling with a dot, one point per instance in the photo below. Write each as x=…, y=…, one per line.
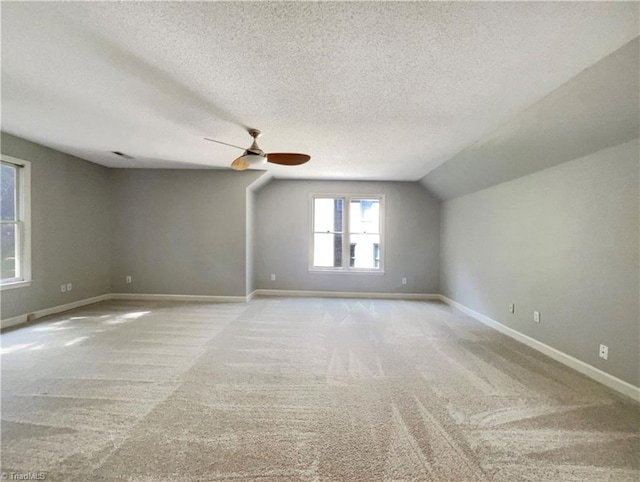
x=371, y=90
x=598, y=108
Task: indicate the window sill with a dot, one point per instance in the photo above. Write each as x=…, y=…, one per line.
x=14, y=285
x=346, y=271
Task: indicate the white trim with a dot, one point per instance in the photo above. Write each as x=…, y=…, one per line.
x=346, y=269
x=20, y=319
x=14, y=285
x=17, y=320
x=163, y=297
x=346, y=294
x=25, y=204
x=592, y=372
x=356, y=271
x=24, y=217
x=69, y=306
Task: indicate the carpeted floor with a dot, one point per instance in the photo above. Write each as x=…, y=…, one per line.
x=300, y=389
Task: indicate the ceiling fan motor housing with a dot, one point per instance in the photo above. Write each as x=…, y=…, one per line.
x=254, y=156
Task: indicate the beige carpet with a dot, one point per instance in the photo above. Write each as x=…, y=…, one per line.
x=300, y=389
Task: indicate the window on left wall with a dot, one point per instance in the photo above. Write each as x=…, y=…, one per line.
x=15, y=228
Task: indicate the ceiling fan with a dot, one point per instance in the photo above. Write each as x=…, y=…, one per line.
x=254, y=156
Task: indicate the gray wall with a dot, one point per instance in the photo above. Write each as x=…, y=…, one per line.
x=562, y=241
x=180, y=231
x=70, y=225
x=597, y=109
x=252, y=189
x=250, y=241
x=412, y=226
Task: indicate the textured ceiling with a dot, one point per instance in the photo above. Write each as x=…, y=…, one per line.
x=598, y=108
x=371, y=90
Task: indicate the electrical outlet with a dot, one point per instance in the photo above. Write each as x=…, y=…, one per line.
x=69, y=286
x=273, y=277
x=404, y=281
x=127, y=279
x=536, y=316
x=63, y=288
x=604, y=352
x=512, y=308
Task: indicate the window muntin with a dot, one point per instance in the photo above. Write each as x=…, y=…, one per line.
x=15, y=227
x=346, y=233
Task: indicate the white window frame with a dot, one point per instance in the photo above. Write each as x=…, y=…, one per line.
x=23, y=249
x=346, y=244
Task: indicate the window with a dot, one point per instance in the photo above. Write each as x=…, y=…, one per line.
x=15, y=228
x=346, y=228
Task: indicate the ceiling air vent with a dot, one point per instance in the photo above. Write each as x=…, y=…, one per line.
x=122, y=154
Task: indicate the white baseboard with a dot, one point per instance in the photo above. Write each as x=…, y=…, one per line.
x=160, y=297
x=592, y=372
x=17, y=320
x=20, y=319
x=345, y=294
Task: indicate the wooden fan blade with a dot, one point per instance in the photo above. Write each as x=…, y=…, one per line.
x=287, y=158
x=239, y=164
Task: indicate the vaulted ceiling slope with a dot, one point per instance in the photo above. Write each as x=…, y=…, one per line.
x=371, y=90
x=597, y=109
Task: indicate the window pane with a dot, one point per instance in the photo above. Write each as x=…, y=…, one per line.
x=8, y=250
x=8, y=192
x=327, y=215
x=364, y=216
x=365, y=251
x=327, y=250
